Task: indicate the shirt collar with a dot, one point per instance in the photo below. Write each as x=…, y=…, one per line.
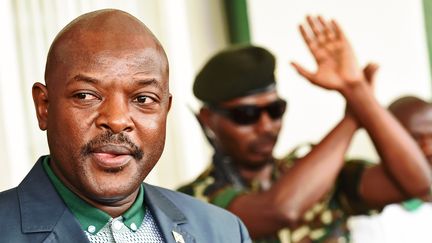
x=90, y=217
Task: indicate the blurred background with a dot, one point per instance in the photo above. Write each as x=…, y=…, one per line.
x=392, y=33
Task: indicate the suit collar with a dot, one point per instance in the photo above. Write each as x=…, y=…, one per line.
x=168, y=216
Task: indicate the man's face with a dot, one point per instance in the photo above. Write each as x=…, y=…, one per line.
x=249, y=145
x=419, y=125
x=106, y=118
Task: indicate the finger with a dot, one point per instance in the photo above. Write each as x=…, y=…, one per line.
x=314, y=26
x=314, y=48
x=338, y=30
x=302, y=71
x=317, y=29
x=311, y=43
x=327, y=29
x=305, y=35
x=370, y=72
x=330, y=37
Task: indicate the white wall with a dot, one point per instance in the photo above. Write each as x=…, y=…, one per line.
x=388, y=32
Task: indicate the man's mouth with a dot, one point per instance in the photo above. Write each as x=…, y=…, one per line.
x=266, y=148
x=112, y=157
x=264, y=145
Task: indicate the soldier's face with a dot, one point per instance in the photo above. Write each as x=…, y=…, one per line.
x=250, y=144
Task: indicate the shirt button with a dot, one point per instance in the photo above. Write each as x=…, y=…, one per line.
x=91, y=229
x=117, y=225
x=133, y=226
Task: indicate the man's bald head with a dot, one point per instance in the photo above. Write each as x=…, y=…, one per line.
x=406, y=107
x=100, y=31
x=415, y=115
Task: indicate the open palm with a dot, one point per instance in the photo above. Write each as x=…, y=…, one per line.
x=337, y=65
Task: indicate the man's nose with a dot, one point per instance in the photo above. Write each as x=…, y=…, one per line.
x=264, y=123
x=114, y=115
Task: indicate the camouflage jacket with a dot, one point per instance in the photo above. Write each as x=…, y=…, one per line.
x=324, y=222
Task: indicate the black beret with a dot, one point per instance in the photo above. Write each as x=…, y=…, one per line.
x=235, y=72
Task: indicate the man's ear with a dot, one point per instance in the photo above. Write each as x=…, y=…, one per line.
x=169, y=101
x=205, y=118
x=40, y=99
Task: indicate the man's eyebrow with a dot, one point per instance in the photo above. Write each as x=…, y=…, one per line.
x=149, y=82
x=87, y=79
x=141, y=82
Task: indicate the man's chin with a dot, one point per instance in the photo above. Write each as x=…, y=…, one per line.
x=257, y=164
x=109, y=200
x=111, y=196
x=110, y=187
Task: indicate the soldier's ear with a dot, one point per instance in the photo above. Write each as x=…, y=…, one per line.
x=40, y=99
x=205, y=118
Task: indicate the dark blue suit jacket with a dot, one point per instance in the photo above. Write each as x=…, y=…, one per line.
x=34, y=212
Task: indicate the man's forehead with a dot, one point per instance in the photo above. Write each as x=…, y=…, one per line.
x=147, y=58
x=422, y=115
x=103, y=43
x=98, y=37
x=254, y=99
x=105, y=65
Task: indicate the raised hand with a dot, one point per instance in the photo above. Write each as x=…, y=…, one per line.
x=337, y=64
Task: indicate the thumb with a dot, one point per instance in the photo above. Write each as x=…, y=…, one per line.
x=302, y=71
x=370, y=72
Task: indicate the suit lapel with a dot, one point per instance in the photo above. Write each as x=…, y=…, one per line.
x=67, y=230
x=43, y=211
x=167, y=215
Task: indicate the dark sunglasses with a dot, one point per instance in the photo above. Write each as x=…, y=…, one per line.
x=250, y=114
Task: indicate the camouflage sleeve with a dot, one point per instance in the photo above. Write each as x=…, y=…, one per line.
x=222, y=198
x=187, y=189
x=206, y=190
x=225, y=196
x=348, y=187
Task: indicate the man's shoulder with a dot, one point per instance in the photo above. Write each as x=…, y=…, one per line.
x=8, y=197
x=10, y=211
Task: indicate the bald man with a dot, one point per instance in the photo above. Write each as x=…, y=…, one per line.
x=415, y=115
x=104, y=106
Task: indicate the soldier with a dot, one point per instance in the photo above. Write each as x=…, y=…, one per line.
x=311, y=195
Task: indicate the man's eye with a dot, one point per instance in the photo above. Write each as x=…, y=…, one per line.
x=143, y=99
x=84, y=96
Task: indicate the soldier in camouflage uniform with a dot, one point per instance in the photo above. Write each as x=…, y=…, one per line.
x=306, y=196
